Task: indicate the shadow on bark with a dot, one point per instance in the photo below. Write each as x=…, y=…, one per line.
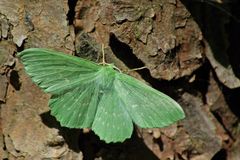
x=92, y=147
x=220, y=25
x=71, y=136
x=217, y=25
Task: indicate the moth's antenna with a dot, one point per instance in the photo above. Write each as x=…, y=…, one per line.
x=137, y=69
x=103, y=55
x=140, y=68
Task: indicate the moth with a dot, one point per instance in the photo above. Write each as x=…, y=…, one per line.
x=85, y=94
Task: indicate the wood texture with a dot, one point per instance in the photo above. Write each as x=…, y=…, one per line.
x=185, y=45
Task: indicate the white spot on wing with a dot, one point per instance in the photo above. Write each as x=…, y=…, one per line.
x=134, y=105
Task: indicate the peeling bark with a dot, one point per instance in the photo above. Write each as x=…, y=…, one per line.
x=169, y=37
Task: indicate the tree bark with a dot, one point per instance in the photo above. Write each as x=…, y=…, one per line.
x=184, y=46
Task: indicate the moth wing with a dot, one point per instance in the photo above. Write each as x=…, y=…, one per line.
x=77, y=108
x=56, y=72
x=147, y=107
x=70, y=80
x=112, y=122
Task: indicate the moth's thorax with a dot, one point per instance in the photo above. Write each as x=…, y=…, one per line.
x=106, y=76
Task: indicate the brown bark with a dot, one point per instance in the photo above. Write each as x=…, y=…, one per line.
x=185, y=56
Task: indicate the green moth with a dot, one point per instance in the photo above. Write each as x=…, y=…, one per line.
x=90, y=95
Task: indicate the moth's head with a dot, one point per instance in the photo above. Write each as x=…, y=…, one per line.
x=113, y=67
x=110, y=65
